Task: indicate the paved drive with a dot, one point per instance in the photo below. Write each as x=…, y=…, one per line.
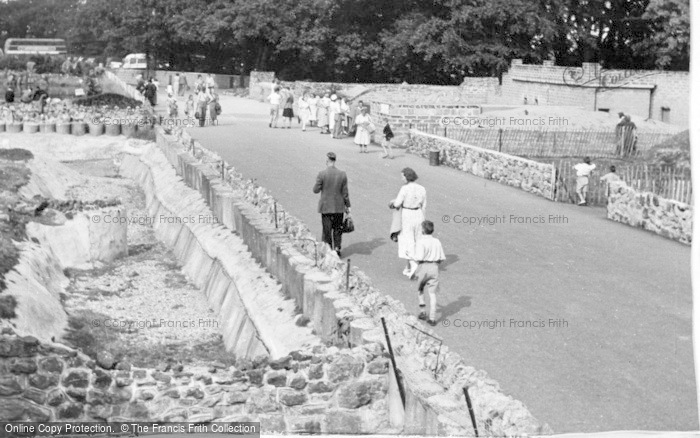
x=609, y=346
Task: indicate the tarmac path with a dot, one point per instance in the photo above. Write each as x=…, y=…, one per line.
x=608, y=346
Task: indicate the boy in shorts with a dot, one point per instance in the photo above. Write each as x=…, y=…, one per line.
x=428, y=255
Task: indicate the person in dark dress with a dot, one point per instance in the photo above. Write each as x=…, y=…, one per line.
x=10, y=95
x=388, y=135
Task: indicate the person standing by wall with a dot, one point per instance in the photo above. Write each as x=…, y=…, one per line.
x=364, y=130
x=313, y=109
x=275, y=99
x=609, y=178
x=203, y=99
x=334, y=116
x=176, y=85
x=386, y=144
x=304, y=110
x=323, y=106
x=583, y=172
x=183, y=85
x=288, y=107
x=332, y=183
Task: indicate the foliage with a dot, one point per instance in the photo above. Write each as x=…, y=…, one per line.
x=440, y=41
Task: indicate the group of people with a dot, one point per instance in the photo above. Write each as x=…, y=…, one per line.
x=409, y=228
x=584, y=171
x=329, y=112
x=203, y=104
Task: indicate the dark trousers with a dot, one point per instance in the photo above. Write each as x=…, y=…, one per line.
x=332, y=229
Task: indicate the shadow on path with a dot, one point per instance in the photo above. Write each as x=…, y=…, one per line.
x=449, y=259
x=364, y=248
x=453, y=308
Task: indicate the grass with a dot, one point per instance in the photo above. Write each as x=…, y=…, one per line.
x=15, y=154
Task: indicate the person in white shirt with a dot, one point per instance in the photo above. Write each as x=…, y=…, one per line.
x=412, y=201
x=583, y=171
x=609, y=178
x=428, y=255
x=275, y=99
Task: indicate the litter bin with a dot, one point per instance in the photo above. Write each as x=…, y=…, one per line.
x=434, y=157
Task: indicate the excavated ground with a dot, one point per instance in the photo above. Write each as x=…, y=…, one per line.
x=141, y=309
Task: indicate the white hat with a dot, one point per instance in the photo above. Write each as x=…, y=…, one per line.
x=334, y=97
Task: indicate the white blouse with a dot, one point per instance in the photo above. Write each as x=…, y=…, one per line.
x=412, y=196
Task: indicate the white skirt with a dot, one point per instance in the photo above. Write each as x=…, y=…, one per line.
x=362, y=136
x=411, y=221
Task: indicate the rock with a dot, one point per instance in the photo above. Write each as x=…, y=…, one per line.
x=298, y=381
x=345, y=367
x=121, y=395
x=77, y=394
x=299, y=356
x=201, y=418
x=354, y=395
x=18, y=347
x=292, y=398
x=161, y=377
x=172, y=393
x=124, y=381
x=321, y=386
x=140, y=374
x=55, y=397
x=36, y=395
x=316, y=371
x=224, y=380
x=304, y=425
x=255, y=377
x=246, y=364
x=281, y=363
x=195, y=393
x=17, y=409
x=68, y=411
x=10, y=386
x=272, y=424
x=237, y=397
x=137, y=410
x=163, y=367
x=204, y=378
x=102, y=379
x=105, y=359
x=218, y=364
x=146, y=395
x=77, y=378
x=276, y=378
x=211, y=400
x=262, y=402
x=212, y=370
x=23, y=366
x=378, y=366
x=51, y=364
x=343, y=422
x=123, y=366
x=175, y=415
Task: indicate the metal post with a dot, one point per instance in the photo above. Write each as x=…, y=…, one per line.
x=347, y=277
x=222, y=170
x=393, y=364
x=471, y=410
x=445, y=132
x=500, y=139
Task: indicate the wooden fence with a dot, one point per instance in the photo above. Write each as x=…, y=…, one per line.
x=532, y=143
x=666, y=182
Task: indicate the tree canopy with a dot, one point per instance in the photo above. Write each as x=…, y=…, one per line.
x=437, y=41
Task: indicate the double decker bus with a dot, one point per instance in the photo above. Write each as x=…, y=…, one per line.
x=35, y=46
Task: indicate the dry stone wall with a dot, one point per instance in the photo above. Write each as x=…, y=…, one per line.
x=349, y=315
x=322, y=390
x=530, y=176
x=666, y=217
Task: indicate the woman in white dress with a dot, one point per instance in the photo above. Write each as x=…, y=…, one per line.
x=313, y=100
x=363, y=134
x=304, y=111
x=412, y=201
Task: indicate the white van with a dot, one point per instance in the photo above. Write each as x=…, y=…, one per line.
x=135, y=61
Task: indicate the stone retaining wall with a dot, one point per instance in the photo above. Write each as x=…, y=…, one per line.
x=312, y=391
x=256, y=317
x=530, y=176
x=665, y=217
x=314, y=277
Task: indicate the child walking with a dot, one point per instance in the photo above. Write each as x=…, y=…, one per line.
x=388, y=135
x=428, y=255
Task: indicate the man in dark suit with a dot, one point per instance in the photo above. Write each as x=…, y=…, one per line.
x=332, y=183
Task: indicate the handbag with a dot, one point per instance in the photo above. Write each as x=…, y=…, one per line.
x=371, y=128
x=348, y=225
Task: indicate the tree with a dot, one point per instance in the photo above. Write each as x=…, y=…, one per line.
x=668, y=42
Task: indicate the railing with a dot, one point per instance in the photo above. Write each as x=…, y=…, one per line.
x=531, y=143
